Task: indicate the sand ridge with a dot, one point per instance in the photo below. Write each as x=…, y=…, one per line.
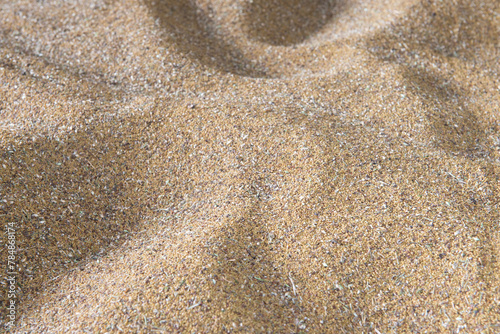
x=231, y=166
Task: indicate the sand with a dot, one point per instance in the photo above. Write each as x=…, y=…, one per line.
x=265, y=166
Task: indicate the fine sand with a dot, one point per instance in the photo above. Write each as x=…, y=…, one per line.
x=265, y=166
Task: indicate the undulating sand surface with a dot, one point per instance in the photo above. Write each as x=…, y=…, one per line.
x=265, y=166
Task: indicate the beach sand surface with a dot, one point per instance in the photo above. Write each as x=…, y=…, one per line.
x=265, y=166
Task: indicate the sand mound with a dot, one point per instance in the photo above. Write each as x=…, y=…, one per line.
x=250, y=166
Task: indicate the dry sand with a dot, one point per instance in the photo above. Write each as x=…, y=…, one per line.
x=267, y=166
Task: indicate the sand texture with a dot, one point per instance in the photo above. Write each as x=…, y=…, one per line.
x=237, y=166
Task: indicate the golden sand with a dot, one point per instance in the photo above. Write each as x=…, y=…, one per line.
x=267, y=166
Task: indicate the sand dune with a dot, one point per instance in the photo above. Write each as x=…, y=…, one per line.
x=250, y=166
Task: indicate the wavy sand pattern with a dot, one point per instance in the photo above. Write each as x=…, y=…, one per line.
x=280, y=166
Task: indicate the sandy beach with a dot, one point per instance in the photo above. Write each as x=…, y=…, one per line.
x=250, y=166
